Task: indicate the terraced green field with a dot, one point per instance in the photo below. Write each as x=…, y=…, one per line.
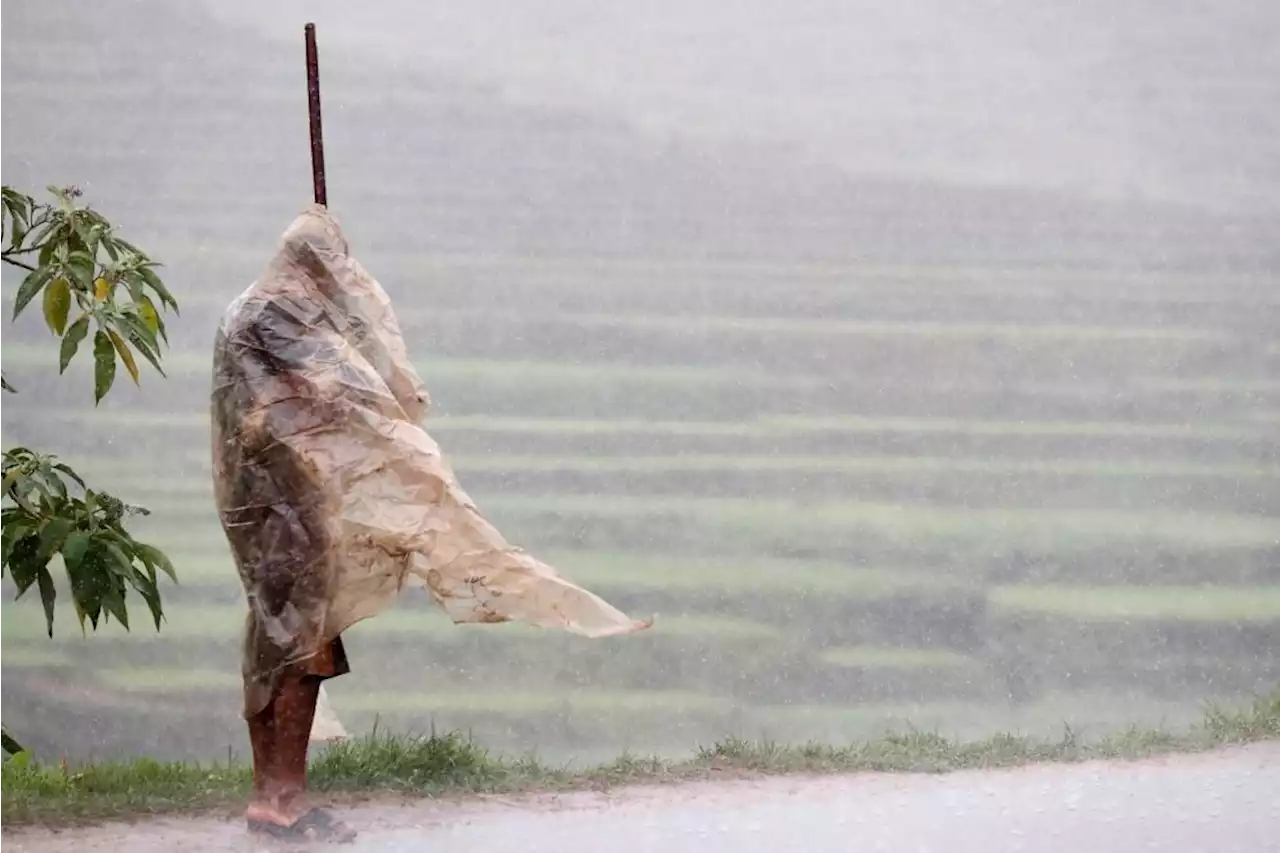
x=991, y=536
x=875, y=453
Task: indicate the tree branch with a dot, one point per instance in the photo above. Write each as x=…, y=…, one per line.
x=9, y=259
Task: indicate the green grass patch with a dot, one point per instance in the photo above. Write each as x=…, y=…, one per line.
x=32, y=656
x=799, y=465
x=517, y=702
x=435, y=764
x=1241, y=384
x=22, y=620
x=995, y=427
x=655, y=572
x=415, y=614
x=764, y=427
x=1140, y=603
x=766, y=522
x=892, y=657
x=809, y=328
x=163, y=679
x=522, y=373
x=815, y=464
x=620, y=570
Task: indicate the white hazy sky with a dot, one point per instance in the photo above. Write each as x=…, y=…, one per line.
x=1132, y=97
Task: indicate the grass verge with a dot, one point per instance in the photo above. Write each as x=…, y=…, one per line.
x=435, y=765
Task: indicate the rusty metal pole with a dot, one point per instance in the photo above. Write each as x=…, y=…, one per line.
x=313, y=105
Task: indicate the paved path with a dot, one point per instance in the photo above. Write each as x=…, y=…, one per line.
x=1217, y=803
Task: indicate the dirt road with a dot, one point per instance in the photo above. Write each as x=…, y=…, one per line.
x=1220, y=802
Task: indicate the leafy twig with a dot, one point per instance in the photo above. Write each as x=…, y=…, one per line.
x=9, y=259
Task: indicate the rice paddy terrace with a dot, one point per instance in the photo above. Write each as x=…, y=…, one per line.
x=961, y=457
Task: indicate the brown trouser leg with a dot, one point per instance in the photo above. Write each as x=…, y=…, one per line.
x=281, y=733
x=280, y=736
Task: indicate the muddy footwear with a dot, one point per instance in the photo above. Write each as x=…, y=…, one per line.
x=315, y=825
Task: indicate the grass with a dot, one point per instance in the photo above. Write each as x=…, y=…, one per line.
x=1137, y=603
x=808, y=328
x=650, y=573
x=512, y=702
x=889, y=657
x=764, y=426
x=676, y=573
x=1055, y=531
x=23, y=622
x=798, y=465
x=437, y=764
x=500, y=372
x=843, y=464
x=33, y=656
x=165, y=679
x=766, y=523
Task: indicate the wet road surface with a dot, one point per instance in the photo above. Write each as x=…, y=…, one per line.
x=1218, y=803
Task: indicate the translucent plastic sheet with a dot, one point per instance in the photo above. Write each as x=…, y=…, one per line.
x=331, y=494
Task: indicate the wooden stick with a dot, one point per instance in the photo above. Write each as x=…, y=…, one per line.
x=313, y=105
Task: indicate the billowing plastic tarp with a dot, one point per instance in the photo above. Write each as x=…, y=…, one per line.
x=331, y=494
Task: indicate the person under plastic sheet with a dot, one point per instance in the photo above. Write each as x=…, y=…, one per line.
x=332, y=496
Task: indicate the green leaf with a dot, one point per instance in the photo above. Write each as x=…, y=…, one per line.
x=114, y=602
x=24, y=562
x=151, y=595
x=136, y=326
x=136, y=285
x=71, y=341
x=11, y=534
x=57, y=304
x=54, y=244
x=124, y=563
x=70, y=472
x=53, y=535
x=81, y=266
x=141, y=346
x=46, y=230
x=89, y=583
x=31, y=285
x=10, y=479
x=47, y=595
x=158, y=286
x=91, y=237
x=53, y=483
x=151, y=318
x=74, y=549
x=153, y=556
x=104, y=365
x=19, y=226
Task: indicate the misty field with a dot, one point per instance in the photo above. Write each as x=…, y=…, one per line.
x=820, y=567
x=876, y=455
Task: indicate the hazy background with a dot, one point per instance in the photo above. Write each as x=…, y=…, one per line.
x=914, y=363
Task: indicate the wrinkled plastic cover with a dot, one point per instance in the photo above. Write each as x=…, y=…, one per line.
x=331, y=493
x=325, y=726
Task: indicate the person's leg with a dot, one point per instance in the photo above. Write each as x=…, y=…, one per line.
x=262, y=742
x=281, y=735
x=295, y=708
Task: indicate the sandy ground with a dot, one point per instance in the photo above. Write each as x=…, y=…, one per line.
x=1221, y=802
